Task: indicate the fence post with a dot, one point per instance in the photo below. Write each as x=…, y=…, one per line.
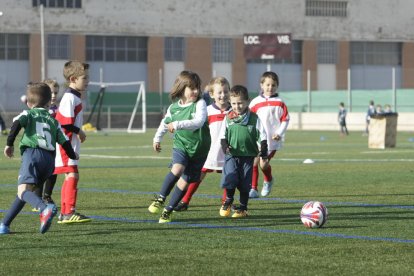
x=309, y=91
x=394, y=90
x=349, y=91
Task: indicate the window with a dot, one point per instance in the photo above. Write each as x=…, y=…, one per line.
x=174, y=49
x=376, y=53
x=70, y=4
x=327, y=52
x=58, y=46
x=14, y=47
x=222, y=50
x=326, y=8
x=116, y=48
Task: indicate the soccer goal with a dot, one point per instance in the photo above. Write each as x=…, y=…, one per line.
x=140, y=101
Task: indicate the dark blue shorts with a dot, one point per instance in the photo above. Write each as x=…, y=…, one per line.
x=193, y=166
x=237, y=173
x=36, y=166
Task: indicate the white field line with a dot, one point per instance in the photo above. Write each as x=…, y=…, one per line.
x=101, y=156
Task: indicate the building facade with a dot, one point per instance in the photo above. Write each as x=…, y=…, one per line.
x=365, y=44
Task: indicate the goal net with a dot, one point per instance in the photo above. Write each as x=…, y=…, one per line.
x=139, y=105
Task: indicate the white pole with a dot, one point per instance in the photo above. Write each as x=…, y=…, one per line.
x=268, y=66
x=309, y=90
x=101, y=77
x=394, y=91
x=160, y=82
x=349, y=91
x=42, y=43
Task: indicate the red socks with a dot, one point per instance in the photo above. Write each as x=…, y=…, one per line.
x=255, y=177
x=191, y=189
x=68, y=195
x=267, y=174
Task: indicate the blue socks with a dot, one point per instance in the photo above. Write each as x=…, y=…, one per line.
x=14, y=210
x=175, y=199
x=34, y=200
x=168, y=184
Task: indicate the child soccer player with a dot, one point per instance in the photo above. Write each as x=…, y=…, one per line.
x=241, y=135
x=37, y=147
x=187, y=118
x=70, y=116
x=274, y=115
x=218, y=90
x=342, y=119
x=45, y=190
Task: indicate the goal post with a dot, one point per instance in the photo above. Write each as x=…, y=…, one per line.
x=140, y=100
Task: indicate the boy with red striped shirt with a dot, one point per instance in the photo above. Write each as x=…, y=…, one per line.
x=274, y=115
x=70, y=116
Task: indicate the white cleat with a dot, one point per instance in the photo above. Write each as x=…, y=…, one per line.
x=267, y=188
x=253, y=193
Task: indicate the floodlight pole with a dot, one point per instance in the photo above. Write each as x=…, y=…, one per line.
x=349, y=91
x=394, y=90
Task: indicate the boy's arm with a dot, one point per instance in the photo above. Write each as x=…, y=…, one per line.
x=14, y=131
x=263, y=139
x=198, y=120
x=67, y=146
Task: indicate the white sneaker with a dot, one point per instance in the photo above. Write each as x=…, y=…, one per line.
x=267, y=188
x=253, y=193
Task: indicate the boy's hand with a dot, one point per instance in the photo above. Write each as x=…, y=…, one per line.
x=157, y=146
x=8, y=151
x=82, y=136
x=276, y=137
x=171, y=127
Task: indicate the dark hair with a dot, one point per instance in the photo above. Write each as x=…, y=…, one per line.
x=271, y=75
x=38, y=94
x=183, y=80
x=239, y=91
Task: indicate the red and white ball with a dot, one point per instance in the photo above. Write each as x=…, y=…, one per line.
x=314, y=214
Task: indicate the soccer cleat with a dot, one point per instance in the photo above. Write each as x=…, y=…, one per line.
x=4, y=229
x=46, y=217
x=36, y=210
x=239, y=213
x=253, y=193
x=165, y=216
x=182, y=206
x=267, y=188
x=73, y=218
x=225, y=209
x=157, y=205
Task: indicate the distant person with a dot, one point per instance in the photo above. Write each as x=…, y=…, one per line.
x=37, y=148
x=370, y=112
x=387, y=109
x=342, y=119
x=2, y=126
x=378, y=109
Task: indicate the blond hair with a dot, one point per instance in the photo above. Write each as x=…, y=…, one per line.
x=74, y=68
x=217, y=80
x=51, y=83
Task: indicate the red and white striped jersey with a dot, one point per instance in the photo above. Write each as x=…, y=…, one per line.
x=69, y=113
x=215, y=157
x=274, y=115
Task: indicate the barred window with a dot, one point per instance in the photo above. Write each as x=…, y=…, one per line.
x=70, y=4
x=14, y=46
x=327, y=52
x=116, y=48
x=58, y=46
x=222, y=50
x=326, y=8
x=376, y=53
x=174, y=48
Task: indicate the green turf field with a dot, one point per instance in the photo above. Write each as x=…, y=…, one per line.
x=369, y=195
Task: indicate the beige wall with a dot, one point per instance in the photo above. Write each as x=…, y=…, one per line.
x=198, y=58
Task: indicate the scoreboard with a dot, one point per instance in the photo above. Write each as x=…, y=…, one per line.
x=267, y=46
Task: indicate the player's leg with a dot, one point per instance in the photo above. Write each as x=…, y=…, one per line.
x=191, y=189
x=229, y=180
x=48, y=188
x=245, y=171
x=268, y=179
x=69, y=198
x=255, y=178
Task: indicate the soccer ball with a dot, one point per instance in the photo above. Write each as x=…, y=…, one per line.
x=314, y=214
